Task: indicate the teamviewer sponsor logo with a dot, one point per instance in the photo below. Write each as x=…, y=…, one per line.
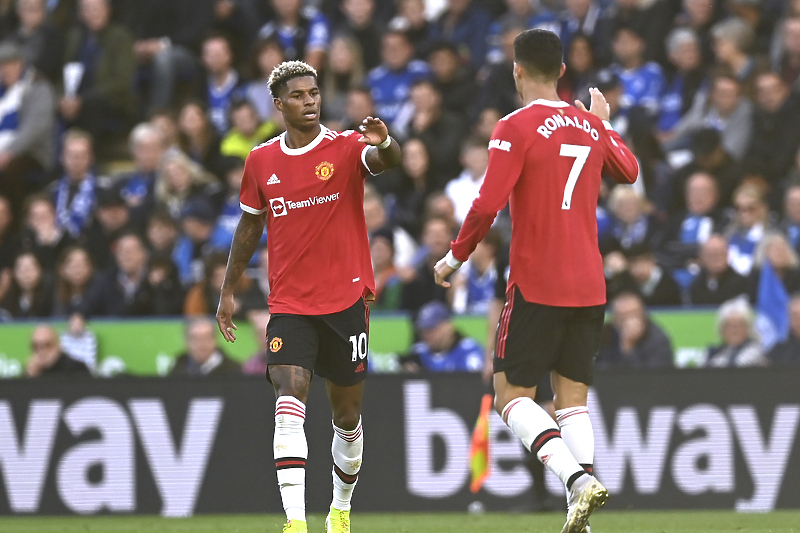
x=278, y=206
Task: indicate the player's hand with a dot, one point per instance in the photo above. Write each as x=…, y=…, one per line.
x=441, y=271
x=598, y=107
x=373, y=131
x=227, y=305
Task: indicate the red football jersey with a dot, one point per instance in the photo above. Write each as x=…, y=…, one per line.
x=546, y=159
x=319, y=258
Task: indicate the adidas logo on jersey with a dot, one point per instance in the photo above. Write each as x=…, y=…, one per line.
x=273, y=180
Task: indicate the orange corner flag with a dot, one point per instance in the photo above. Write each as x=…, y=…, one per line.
x=479, y=449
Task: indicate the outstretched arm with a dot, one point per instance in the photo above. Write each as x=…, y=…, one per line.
x=245, y=239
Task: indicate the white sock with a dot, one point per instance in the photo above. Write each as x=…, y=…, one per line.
x=539, y=433
x=347, y=450
x=576, y=430
x=291, y=451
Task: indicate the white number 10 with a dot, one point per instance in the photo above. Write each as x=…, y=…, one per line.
x=359, y=346
x=581, y=154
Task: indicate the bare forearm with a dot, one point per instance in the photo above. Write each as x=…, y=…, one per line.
x=380, y=160
x=245, y=240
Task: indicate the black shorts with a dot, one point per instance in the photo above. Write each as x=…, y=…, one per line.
x=333, y=346
x=533, y=339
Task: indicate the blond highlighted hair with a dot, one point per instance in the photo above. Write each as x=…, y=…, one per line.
x=286, y=71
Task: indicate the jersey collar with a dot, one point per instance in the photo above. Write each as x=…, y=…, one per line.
x=307, y=148
x=549, y=103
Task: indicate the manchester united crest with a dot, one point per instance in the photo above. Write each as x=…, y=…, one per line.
x=324, y=170
x=275, y=344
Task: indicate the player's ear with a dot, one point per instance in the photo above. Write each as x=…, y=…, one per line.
x=563, y=69
x=278, y=104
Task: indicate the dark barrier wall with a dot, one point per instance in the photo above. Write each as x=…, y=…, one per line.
x=678, y=439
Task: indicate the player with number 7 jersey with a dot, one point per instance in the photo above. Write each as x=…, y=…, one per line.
x=547, y=160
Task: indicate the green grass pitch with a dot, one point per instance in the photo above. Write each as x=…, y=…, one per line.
x=602, y=522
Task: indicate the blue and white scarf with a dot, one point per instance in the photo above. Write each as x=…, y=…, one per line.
x=10, y=104
x=74, y=216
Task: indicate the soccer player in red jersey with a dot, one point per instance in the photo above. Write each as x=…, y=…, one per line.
x=308, y=186
x=547, y=159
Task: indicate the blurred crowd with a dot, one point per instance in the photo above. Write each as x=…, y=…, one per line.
x=124, y=125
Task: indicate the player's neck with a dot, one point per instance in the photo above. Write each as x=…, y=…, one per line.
x=299, y=138
x=533, y=90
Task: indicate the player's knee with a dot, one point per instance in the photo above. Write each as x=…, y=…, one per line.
x=347, y=419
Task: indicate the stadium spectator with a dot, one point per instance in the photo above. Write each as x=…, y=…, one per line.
x=787, y=59
x=699, y=15
x=203, y=357
x=203, y=297
x=441, y=131
x=47, y=358
x=443, y=348
x=774, y=248
x=412, y=21
x=111, y=220
x=497, y=89
x=642, y=81
x=463, y=189
x=684, y=232
x=583, y=16
x=79, y=342
x=230, y=210
x=74, y=276
x=344, y=72
x=27, y=117
x=37, y=38
x=631, y=339
x=437, y=233
x=98, y=83
x=747, y=229
x=30, y=294
x=725, y=109
x=581, y=72
x=302, y=31
x=776, y=135
x=74, y=193
x=388, y=284
x=466, y=24
x=391, y=81
x=138, y=186
x=733, y=40
x=161, y=233
x=267, y=54
x=791, y=222
x=165, y=120
x=197, y=138
x=223, y=84
x=530, y=14
x=452, y=79
x=43, y=236
x=413, y=187
x=685, y=80
x=472, y=287
x=739, y=346
x=247, y=130
x=254, y=299
x=788, y=351
x=197, y=223
x=645, y=276
x=404, y=247
x=631, y=224
x=357, y=107
x=125, y=289
x=179, y=180
x=362, y=25
x=716, y=281
x=9, y=245
x=256, y=364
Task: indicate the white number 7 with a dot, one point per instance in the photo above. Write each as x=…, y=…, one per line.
x=581, y=154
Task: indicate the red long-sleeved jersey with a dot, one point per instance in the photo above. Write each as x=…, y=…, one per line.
x=546, y=159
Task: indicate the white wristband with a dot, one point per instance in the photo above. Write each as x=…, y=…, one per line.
x=451, y=261
x=385, y=144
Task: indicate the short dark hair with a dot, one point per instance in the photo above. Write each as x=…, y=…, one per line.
x=288, y=70
x=539, y=52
